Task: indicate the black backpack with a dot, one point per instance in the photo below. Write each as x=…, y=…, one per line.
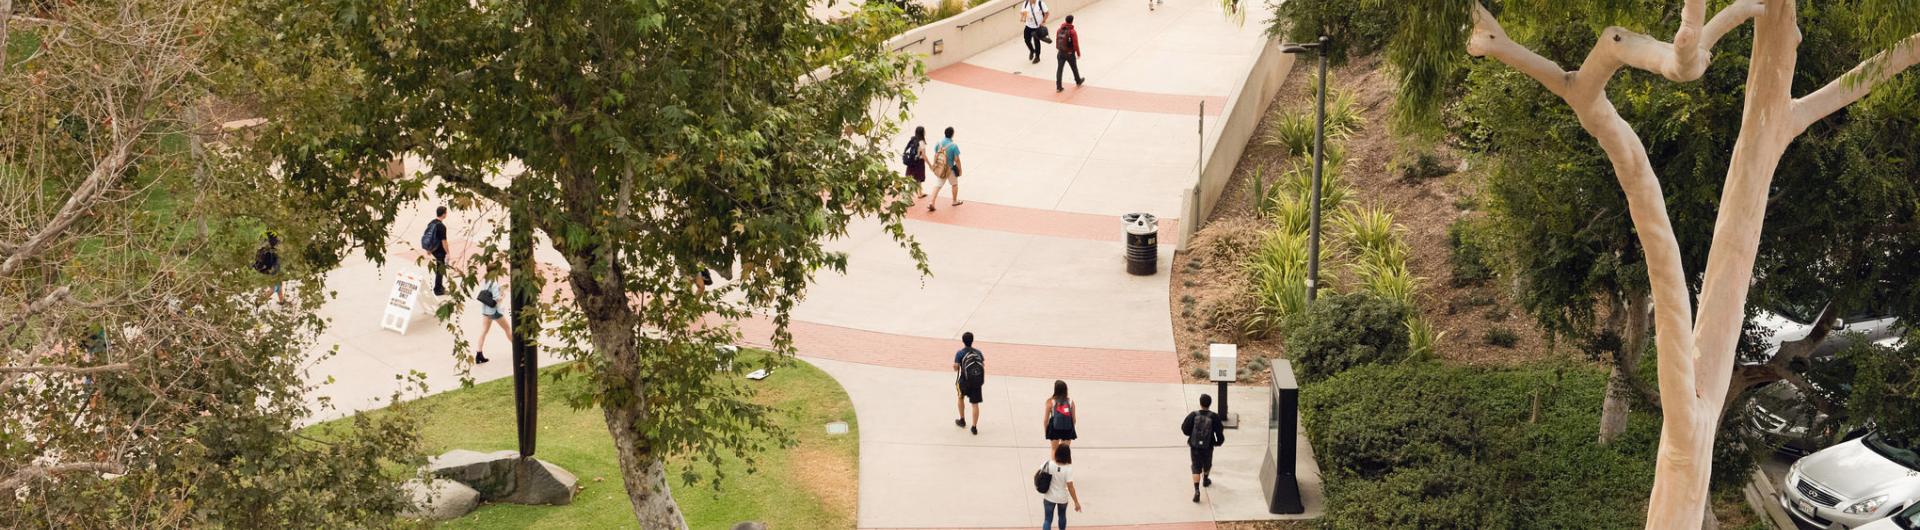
x=1202, y=435
x=1060, y=422
x=973, y=367
x=431, y=239
x=911, y=155
x=265, y=260
x=1043, y=480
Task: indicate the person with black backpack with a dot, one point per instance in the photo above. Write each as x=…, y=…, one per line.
x=1203, y=431
x=1061, y=417
x=1067, y=40
x=266, y=261
x=435, y=241
x=970, y=375
x=915, y=158
x=1054, y=480
x=491, y=297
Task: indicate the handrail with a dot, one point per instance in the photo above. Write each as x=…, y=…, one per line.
x=915, y=41
x=984, y=17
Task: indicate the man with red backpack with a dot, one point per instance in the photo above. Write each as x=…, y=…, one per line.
x=1067, y=40
x=1203, y=431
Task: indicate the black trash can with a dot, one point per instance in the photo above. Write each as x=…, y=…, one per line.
x=1143, y=243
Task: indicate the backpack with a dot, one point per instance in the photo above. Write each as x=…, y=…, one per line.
x=1063, y=40
x=1202, y=435
x=486, y=298
x=973, y=367
x=431, y=239
x=942, y=165
x=1042, y=479
x=911, y=156
x=1062, y=417
x=265, y=261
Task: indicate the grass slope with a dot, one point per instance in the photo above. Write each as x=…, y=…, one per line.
x=811, y=485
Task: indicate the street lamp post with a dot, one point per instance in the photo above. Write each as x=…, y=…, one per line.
x=1319, y=158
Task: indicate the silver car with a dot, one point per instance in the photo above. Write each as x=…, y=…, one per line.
x=1852, y=483
x=1907, y=520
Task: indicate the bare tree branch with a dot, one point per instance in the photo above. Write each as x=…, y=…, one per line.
x=105, y=172
x=29, y=473
x=36, y=307
x=70, y=370
x=6, y=19
x=1855, y=84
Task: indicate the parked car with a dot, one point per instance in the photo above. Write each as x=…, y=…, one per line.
x=1779, y=412
x=1852, y=483
x=1906, y=520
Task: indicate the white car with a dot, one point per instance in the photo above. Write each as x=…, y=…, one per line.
x=1852, y=483
x=1907, y=520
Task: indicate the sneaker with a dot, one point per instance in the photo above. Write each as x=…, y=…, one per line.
x=1206, y=482
x=1059, y=89
x=962, y=422
x=1080, y=81
x=1196, y=496
x=480, y=358
x=975, y=429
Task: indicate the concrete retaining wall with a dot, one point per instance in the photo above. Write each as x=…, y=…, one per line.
x=1221, y=151
x=973, y=31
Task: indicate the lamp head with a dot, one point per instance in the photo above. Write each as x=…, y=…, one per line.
x=1304, y=47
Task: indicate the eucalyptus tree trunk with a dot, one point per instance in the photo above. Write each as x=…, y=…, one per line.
x=1696, y=350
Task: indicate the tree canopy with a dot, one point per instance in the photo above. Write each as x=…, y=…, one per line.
x=657, y=140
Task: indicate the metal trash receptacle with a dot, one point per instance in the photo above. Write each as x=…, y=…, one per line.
x=1143, y=243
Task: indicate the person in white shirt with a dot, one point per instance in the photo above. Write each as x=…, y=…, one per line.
x=1061, y=490
x=1034, y=14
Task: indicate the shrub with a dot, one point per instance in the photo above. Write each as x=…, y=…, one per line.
x=1292, y=131
x=1387, y=280
x=1502, y=337
x=1418, y=165
x=1355, y=27
x=1368, y=229
x=1470, y=256
x=1428, y=445
x=1343, y=331
x=947, y=9
x=1422, y=338
x=1279, y=274
x=1298, y=181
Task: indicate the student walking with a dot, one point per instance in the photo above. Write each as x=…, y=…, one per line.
x=1034, y=14
x=915, y=158
x=1057, y=474
x=267, y=261
x=1061, y=416
x=435, y=241
x=969, y=376
x=947, y=166
x=1203, y=431
x=1068, y=42
x=490, y=297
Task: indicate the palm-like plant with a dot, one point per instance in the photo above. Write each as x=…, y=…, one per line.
x=1421, y=338
x=1387, y=281
x=1369, y=230
x=1279, y=271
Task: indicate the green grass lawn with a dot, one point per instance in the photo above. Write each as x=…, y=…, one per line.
x=811, y=485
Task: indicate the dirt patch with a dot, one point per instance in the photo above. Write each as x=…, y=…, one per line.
x=1208, y=276
x=830, y=476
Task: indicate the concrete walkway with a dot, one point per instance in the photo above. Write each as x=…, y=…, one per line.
x=1032, y=264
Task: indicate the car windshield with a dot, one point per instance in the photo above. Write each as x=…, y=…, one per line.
x=1909, y=519
x=1899, y=455
x=1800, y=313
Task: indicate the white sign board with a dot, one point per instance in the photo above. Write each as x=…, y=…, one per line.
x=401, y=302
x=1223, y=362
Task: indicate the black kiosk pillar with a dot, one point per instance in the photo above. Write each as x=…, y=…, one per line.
x=1278, y=475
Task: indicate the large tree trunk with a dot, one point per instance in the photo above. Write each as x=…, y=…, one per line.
x=643, y=471
x=1623, y=383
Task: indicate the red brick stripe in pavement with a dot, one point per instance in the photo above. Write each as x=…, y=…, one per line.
x=982, y=78
x=933, y=354
x=1014, y=219
x=1202, y=525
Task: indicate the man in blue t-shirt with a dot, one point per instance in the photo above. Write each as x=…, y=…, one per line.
x=969, y=375
x=950, y=152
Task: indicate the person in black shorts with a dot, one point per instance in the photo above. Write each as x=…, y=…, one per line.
x=1203, y=431
x=1061, y=417
x=969, y=375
